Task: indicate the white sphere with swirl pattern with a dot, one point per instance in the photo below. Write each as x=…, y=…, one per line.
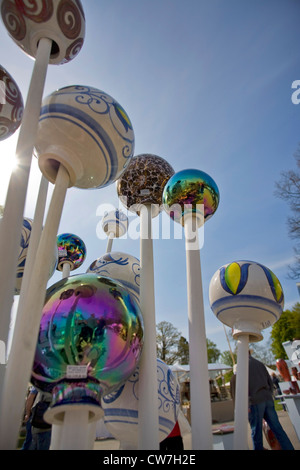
x=61, y=21
x=121, y=407
x=88, y=132
x=121, y=267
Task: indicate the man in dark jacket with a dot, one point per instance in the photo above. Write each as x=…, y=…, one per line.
x=261, y=406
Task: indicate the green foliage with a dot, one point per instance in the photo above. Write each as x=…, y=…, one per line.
x=287, y=328
x=213, y=353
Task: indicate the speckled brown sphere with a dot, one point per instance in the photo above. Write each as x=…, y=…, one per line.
x=143, y=182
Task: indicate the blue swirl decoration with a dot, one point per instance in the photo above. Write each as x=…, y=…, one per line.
x=24, y=243
x=115, y=142
x=129, y=276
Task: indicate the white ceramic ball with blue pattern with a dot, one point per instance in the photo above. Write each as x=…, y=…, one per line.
x=121, y=267
x=121, y=407
x=247, y=296
x=115, y=222
x=88, y=132
x=63, y=22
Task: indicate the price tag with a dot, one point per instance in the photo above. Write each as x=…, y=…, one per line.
x=77, y=372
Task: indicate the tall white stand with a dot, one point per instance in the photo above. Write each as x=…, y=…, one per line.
x=240, y=437
x=66, y=270
x=201, y=417
x=148, y=395
x=75, y=432
x=109, y=242
x=26, y=330
x=11, y=225
x=35, y=237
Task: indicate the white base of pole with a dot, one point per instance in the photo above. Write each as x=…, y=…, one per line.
x=201, y=417
x=75, y=430
x=240, y=437
x=74, y=426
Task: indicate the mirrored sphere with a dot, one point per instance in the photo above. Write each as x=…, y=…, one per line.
x=121, y=406
x=122, y=267
x=187, y=189
x=88, y=132
x=71, y=250
x=90, y=339
x=61, y=21
x=247, y=296
x=11, y=105
x=143, y=182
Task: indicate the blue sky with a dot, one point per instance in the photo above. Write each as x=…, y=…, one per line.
x=207, y=85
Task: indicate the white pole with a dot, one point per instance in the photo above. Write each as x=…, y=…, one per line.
x=26, y=330
x=56, y=431
x=75, y=433
x=11, y=224
x=201, y=418
x=35, y=237
x=148, y=395
x=66, y=270
x=109, y=242
x=240, y=437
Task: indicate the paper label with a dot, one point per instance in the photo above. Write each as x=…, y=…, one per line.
x=76, y=372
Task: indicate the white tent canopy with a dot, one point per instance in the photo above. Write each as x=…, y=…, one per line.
x=211, y=366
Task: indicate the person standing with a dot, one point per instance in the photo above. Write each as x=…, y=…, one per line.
x=261, y=406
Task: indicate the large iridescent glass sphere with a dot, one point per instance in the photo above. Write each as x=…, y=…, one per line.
x=121, y=407
x=90, y=339
x=71, y=250
x=11, y=105
x=88, y=132
x=190, y=191
x=143, y=182
x=247, y=296
x=122, y=267
x=61, y=21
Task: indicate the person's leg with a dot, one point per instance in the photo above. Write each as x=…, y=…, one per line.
x=271, y=418
x=44, y=439
x=256, y=413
